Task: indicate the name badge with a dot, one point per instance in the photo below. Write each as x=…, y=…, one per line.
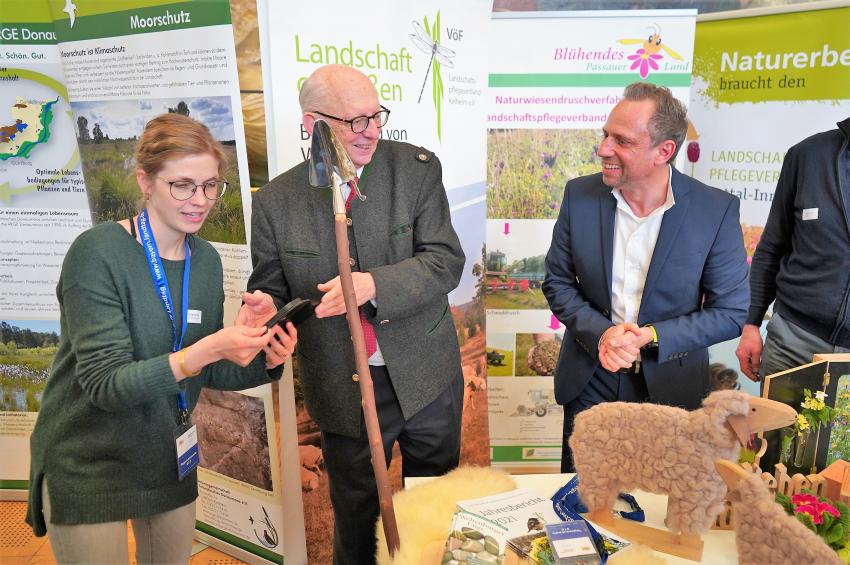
x=810, y=213
x=187, y=449
x=193, y=316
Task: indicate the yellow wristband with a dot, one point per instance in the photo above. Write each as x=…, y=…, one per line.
x=181, y=359
x=654, y=333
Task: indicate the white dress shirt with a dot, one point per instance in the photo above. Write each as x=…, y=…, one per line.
x=634, y=243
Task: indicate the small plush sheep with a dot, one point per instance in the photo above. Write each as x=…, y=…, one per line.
x=765, y=533
x=621, y=446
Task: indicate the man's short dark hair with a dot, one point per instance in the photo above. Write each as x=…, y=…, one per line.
x=670, y=120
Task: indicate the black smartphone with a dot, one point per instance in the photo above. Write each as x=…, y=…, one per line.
x=295, y=311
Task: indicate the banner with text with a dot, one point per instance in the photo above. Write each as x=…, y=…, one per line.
x=123, y=64
x=43, y=207
x=761, y=85
x=428, y=63
x=552, y=86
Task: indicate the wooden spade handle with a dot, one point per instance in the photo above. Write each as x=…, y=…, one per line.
x=367, y=391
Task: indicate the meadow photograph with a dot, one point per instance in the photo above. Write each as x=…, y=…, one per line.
x=26, y=355
x=527, y=169
x=107, y=132
x=516, y=253
x=500, y=354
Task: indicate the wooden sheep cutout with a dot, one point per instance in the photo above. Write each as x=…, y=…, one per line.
x=764, y=532
x=622, y=446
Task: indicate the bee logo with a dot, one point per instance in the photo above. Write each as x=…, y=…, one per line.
x=645, y=58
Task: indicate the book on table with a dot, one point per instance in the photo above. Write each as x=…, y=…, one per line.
x=482, y=528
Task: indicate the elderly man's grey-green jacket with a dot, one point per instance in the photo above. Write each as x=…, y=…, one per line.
x=402, y=234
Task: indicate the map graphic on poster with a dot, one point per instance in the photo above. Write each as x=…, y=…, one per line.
x=39, y=162
x=31, y=127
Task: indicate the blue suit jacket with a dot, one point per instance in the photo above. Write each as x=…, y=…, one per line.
x=696, y=290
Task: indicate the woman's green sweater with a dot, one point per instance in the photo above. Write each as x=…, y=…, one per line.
x=104, y=438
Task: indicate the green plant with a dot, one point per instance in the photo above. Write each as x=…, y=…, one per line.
x=839, y=447
x=830, y=521
x=527, y=169
x=814, y=413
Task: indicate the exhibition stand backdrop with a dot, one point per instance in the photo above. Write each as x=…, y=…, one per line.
x=511, y=121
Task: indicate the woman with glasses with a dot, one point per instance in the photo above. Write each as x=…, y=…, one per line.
x=141, y=310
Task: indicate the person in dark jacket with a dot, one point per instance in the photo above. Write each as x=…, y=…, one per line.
x=803, y=260
x=646, y=269
x=405, y=258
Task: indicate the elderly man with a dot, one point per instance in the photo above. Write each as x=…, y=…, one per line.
x=407, y=258
x=646, y=269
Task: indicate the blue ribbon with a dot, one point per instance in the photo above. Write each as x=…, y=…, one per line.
x=569, y=506
x=161, y=283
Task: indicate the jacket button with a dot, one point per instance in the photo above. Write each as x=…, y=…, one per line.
x=606, y=313
x=355, y=377
x=352, y=262
x=349, y=222
x=384, y=322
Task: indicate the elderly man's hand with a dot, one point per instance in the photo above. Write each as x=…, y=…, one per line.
x=333, y=302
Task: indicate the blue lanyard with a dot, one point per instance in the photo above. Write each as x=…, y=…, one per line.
x=568, y=505
x=161, y=283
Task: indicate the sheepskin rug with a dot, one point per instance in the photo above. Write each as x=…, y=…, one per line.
x=424, y=512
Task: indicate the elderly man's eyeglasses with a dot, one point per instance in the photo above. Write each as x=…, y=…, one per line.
x=184, y=190
x=361, y=123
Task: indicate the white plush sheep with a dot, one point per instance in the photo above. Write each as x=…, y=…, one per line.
x=765, y=533
x=621, y=446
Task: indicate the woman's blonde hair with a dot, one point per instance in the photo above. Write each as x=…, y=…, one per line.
x=171, y=136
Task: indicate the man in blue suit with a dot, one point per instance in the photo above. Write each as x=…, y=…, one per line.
x=646, y=269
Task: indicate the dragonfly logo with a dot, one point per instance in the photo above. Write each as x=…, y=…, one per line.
x=427, y=39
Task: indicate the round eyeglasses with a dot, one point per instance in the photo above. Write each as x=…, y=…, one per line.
x=361, y=123
x=184, y=190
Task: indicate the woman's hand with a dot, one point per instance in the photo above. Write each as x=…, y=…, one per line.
x=237, y=344
x=240, y=344
x=257, y=308
x=281, y=345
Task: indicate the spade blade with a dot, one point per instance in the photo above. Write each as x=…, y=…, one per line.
x=322, y=156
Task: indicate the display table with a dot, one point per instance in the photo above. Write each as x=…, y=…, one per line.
x=719, y=544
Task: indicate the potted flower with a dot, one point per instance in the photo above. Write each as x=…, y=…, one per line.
x=829, y=520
